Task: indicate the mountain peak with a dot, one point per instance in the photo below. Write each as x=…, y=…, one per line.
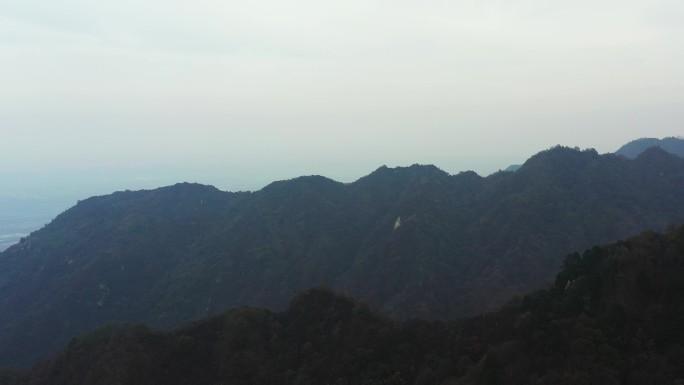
x=673, y=145
x=305, y=180
x=560, y=156
x=415, y=172
x=466, y=244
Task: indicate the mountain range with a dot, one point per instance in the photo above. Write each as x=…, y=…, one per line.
x=673, y=145
x=415, y=242
x=612, y=316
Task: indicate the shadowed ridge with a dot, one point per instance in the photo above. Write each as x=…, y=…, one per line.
x=613, y=316
x=559, y=156
x=672, y=145
x=298, y=191
x=413, y=241
x=415, y=173
x=467, y=182
x=655, y=154
x=387, y=186
x=310, y=181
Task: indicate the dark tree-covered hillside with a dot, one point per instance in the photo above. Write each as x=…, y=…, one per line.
x=613, y=316
x=415, y=242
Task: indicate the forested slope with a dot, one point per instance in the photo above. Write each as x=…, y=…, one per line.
x=613, y=316
x=413, y=241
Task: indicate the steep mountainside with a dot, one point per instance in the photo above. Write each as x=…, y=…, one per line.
x=414, y=241
x=672, y=145
x=613, y=316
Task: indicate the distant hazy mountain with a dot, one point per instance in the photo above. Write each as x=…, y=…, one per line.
x=413, y=241
x=513, y=167
x=634, y=148
x=613, y=316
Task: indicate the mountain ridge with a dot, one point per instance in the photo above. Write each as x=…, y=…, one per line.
x=612, y=316
x=672, y=145
x=415, y=243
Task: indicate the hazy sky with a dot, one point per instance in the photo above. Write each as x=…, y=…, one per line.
x=236, y=93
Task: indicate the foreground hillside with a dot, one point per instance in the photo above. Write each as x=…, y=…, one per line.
x=613, y=316
x=415, y=242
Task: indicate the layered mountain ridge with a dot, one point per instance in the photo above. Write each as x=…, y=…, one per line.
x=673, y=145
x=415, y=242
x=613, y=316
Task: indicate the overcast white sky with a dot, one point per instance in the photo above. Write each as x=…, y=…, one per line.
x=236, y=93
